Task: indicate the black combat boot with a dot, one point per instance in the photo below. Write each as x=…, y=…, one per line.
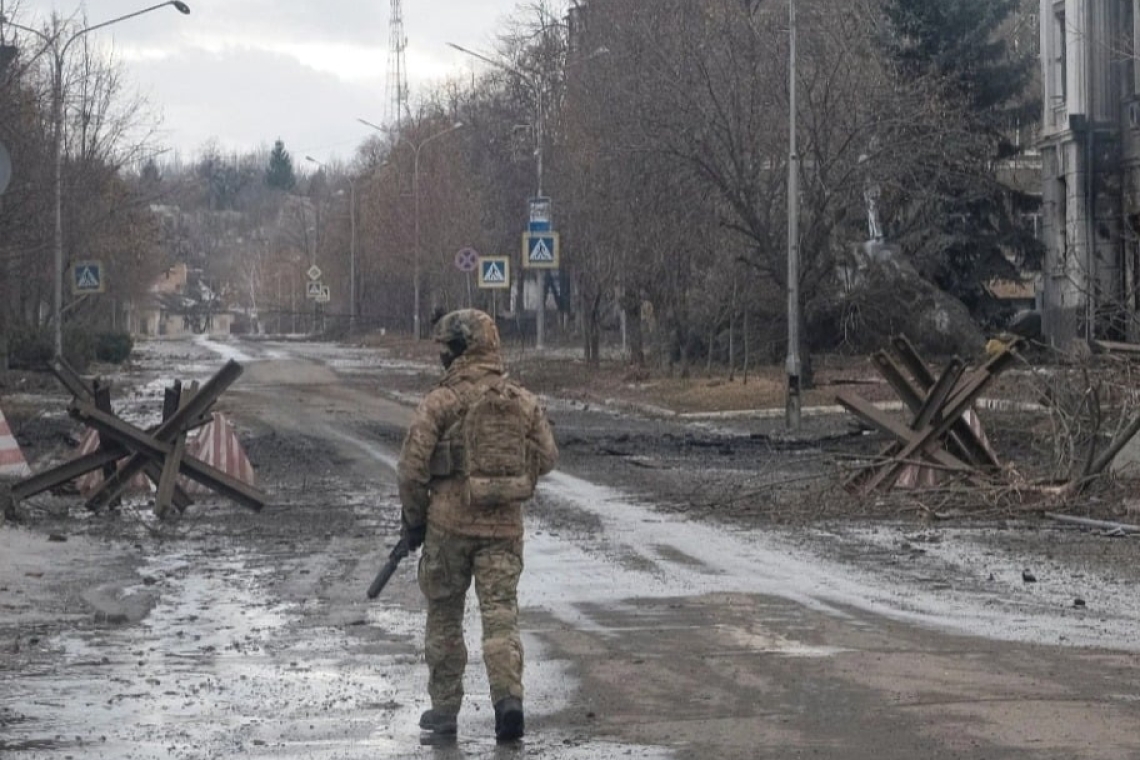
x=440, y=721
x=508, y=719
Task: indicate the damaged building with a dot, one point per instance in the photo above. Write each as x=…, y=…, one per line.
x=1090, y=150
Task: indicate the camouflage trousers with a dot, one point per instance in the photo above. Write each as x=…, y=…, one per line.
x=447, y=565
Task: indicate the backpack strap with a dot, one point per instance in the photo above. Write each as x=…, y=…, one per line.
x=449, y=455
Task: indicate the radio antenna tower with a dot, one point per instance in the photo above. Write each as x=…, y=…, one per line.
x=396, y=96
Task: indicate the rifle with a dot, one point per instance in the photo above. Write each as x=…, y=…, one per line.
x=399, y=551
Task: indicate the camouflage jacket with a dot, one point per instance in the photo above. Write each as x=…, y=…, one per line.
x=439, y=499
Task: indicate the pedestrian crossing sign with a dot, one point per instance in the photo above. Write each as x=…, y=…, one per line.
x=495, y=272
x=540, y=250
x=87, y=277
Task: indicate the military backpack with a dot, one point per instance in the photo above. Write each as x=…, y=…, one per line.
x=488, y=446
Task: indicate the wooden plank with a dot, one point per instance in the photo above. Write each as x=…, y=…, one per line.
x=164, y=493
x=893, y=374
x=67, y=471
x=937, y=394
x=168, y=430
x=102, y=397
x=962, y=399
x=924, y=403
x=71, y=379
x=867, y=411
x=963, y=441
x=171, y=400
x=910, y=359
x=169, y=477
x=910, y=397
x=219, y=481
x=150, y=447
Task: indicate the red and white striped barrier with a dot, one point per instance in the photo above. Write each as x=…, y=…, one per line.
x=917, y=476
x=216, y=443
x=12, y=462
x=90, y=482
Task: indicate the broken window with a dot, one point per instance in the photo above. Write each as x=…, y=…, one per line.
x=1059, y=88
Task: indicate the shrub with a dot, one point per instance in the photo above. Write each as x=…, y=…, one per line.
x=29, y=348
x=78, y=347
x=113, y=347
x=33, y=347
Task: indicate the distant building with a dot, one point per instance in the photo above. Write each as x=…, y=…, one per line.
x=1090, y=150
x=177, y=306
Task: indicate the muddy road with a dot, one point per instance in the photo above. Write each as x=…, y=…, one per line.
x=662, y=616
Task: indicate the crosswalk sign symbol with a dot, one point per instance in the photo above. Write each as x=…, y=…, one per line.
x=495, y=272
x=540, y=250
x=87, y=277
x=313, y=289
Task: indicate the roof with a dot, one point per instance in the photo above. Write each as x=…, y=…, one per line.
x=1006, y=289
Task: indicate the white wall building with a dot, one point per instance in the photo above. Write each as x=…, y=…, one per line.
x=1091, y=120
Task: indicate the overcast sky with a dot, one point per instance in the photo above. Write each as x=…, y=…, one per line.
x=249, y=71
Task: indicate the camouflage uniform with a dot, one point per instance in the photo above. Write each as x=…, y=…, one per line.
x=464, y=542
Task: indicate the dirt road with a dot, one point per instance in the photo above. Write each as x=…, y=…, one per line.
x=652, y=630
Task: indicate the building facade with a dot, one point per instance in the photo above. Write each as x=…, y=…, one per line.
x=1090, y=151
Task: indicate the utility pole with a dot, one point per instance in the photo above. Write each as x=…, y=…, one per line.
x=793, y=365
x=416, y=148
x=537, y=88
x=540, y=274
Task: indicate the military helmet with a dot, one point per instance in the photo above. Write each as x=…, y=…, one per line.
x=467, y=331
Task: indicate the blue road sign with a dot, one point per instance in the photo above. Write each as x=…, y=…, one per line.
x=540, y=215
x=495, y=272
x=540, y=250
x=87, y=277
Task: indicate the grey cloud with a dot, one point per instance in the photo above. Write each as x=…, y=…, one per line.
x=246, y=99
x=247, y=96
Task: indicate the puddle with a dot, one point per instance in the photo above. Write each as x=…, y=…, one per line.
x=221, y=669
x=216, y=669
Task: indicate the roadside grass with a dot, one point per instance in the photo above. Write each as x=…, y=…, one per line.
x=560, y=371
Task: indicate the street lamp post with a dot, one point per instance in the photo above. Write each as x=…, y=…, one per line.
x=352, y=311
x=58, y=53
x=535, y=85
x=416, y=147
x=351, y=246
x=539, y=129
x=793, y=364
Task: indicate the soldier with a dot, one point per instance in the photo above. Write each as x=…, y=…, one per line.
x=474, y=450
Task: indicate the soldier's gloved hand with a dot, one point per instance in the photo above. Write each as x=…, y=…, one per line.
x=415, y=536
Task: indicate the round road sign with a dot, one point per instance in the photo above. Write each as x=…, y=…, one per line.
x=467, y=259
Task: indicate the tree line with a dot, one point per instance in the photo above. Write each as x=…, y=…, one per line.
x=663, y=133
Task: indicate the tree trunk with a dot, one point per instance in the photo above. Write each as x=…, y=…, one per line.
x=681, y=336
x=732, y=336
x=709, y=352
x=745, y=378
x=631, y=305
x=591, y=329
